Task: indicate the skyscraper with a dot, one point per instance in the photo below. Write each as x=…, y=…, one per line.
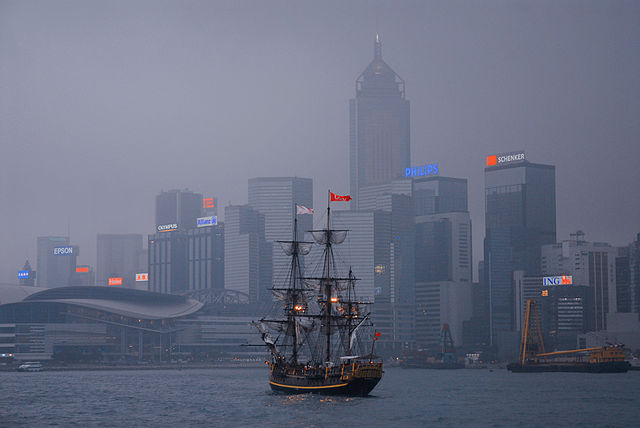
x=56, y=261
x=178, y=207
x=118, y=255
x=520, y=216
x=247, y=256
x=276, y=198
x=379, y=136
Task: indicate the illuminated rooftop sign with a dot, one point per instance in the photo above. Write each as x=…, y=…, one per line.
x=167, y=227
x=557, y=280
x=207, y=221
x=208, y=203
x=82, y=269
x=23, y=274
x=142, y=277
x=505, y=158
x=422, y=170
x=115, y=281
x=63, y=251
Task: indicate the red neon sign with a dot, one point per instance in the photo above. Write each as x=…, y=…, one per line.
x=82, y=269
x=207, y=203
x=115, y=281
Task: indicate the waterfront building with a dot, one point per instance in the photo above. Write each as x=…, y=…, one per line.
x=206, y=257
x=520, y=216
x=90, y=324
x=56, y=261
x=276, y=199
x=247, y=255
x=118, y=256
x=379, y=135
x=168, y=265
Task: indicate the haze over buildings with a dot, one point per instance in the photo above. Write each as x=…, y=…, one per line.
x=104, y=105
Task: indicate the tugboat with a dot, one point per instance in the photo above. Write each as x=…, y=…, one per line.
x=320, y=325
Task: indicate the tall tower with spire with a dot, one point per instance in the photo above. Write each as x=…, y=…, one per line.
x=379, y=140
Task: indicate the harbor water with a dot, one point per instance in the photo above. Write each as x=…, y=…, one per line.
x=241, y=397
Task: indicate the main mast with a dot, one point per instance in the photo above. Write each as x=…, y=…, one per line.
x=328, y=278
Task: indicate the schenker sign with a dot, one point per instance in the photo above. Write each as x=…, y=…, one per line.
x=505, y=158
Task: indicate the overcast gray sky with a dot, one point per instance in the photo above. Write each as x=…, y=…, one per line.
x=104, y=104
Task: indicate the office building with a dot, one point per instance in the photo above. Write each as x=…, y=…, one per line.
x=168, y=266
x=178, y=209
x=206, y=257
x=591, y=264
x=247, y=255
x=56, y=261
x=83, y=276
x=276, y=199
x=379, y=136
x=118, y=256
x=628, y=278
x=443, y=257
x=520, y=216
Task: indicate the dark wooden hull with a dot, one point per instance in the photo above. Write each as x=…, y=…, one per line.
x=355, y=387
x=356, y=379
x=606, y=367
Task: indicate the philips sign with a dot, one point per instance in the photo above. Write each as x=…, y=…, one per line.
x=167, y=227
x=23, y=274
x=557, y=280
x=63, y=251
x=422, y=170
x=505, y=158
x=207, y=221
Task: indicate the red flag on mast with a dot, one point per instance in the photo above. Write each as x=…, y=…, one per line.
x=377, y=335
x=339, y=198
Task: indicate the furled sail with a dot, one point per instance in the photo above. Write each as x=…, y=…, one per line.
x=355, y=330
x=322, y=236
x=289, y=247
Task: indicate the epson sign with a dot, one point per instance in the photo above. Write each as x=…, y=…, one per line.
x=167, y=227
x=557, y=280
x=63, y=251
x=207, y=221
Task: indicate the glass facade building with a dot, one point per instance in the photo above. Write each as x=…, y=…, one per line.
x=379, y=136
x=520, y=216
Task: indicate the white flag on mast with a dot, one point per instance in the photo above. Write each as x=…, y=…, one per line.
x=303, y=210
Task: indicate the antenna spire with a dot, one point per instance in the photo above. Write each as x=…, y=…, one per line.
x=377, y=48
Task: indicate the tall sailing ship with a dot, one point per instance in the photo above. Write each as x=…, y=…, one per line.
x=320, y=333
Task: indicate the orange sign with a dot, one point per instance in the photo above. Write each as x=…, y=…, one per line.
x=492, y=160
x=115, y=281
x=142, y=277
x=82, y=269
x=207, y=203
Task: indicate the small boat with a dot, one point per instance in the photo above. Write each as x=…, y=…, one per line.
x=30, y=366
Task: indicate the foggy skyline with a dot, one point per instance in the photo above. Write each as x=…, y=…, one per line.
x=105, y=104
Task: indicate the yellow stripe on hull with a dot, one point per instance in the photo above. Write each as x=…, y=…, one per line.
x=308, y=387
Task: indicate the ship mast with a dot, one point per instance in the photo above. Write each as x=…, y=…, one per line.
x=294, y=347
x=328, y=278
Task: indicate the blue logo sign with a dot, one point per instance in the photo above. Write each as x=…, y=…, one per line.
x=422, y=170
x=63, y=251
x=557, y=280
x=23, y=274
x=208, y=221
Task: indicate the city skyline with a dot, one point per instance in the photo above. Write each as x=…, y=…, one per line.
x=88, y=142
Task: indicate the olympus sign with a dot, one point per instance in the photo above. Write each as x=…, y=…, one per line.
x=167, y=227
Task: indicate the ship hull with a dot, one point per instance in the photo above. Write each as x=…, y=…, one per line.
x=605, y=367
x=355, y=387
